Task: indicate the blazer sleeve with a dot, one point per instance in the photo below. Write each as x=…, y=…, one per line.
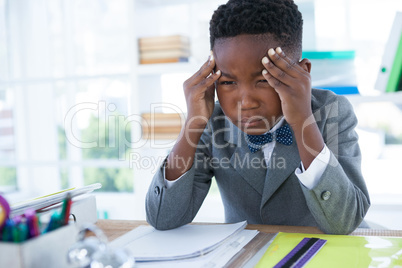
x=340, y=200
x=178, y=205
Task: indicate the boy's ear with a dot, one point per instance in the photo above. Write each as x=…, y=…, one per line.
x=305, y=64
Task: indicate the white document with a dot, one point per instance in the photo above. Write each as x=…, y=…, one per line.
x=145, y=243
x=218, y=257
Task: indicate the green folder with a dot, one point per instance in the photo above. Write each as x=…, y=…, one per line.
x=339, y=251
x=396, y=71
x=390, y=71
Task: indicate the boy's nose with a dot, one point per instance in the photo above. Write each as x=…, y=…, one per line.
x=248, y=101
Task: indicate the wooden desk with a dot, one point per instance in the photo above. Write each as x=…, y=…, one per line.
x=116, y=228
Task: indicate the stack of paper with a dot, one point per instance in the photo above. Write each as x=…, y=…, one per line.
x=186, y=246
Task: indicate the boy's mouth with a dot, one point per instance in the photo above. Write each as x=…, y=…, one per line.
x=250, y=122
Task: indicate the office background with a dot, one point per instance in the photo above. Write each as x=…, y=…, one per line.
x=72, y=90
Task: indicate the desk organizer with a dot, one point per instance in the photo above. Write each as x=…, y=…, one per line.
x=47, y=250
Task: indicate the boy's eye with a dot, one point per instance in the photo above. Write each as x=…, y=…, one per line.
x=225, y=83
x=262, y=81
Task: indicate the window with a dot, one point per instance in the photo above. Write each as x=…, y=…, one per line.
x=64, y=70
x=8, y=175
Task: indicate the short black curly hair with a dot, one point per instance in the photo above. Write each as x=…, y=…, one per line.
x=279, y=18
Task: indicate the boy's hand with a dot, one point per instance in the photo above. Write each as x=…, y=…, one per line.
x=199, y=91
x=292, y=82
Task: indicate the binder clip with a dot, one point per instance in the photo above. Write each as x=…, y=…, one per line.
x=93, y=251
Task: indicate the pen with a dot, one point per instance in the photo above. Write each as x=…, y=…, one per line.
x=36, y=225
x=16, y=228
x=32, y=222
x=54, y=222
x=23, y=229
x=65, y=213
x=20, y=230
x=8, y=231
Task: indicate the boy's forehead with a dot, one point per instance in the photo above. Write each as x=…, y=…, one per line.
x=248, y=38
x=241, y=55
x=245, y=44
x=258, y=44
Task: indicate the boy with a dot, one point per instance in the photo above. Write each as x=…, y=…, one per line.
x=304, y=171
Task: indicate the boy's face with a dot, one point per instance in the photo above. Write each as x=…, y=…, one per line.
x=245, y=96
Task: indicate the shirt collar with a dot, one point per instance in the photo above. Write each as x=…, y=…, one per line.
x=277, y=125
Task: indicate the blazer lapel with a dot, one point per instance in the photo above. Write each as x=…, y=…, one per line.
x=284, y=161
x=251, y=166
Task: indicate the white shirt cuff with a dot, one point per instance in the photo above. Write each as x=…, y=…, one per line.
x=312, y=175
x=168, y=183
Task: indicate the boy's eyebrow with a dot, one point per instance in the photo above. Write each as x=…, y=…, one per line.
x=227, y=75
x=258, y=73
x=255, y=74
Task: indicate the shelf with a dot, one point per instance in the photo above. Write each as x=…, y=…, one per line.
x=395, y=98
x=163, y=68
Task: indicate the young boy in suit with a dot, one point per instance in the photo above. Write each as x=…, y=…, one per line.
x=281, y=152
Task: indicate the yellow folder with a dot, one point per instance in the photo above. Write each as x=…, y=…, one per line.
x=339, y=251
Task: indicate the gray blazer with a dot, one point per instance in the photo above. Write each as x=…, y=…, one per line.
x=270, y=193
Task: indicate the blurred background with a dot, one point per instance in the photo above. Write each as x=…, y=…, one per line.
x=72, y=92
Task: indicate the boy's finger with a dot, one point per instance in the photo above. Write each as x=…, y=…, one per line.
x=204, y=71
x=297, y=67
x=284, y=63
x=277, y=73
x=210, y=80
x=273, y=81
x=210, y=92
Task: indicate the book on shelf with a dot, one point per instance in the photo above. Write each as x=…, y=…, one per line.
x=161, y=125
x=164, y=39
x=163, y=54
x=390, y=73
x=164, y=46
x=165, y=60
x=164, y=49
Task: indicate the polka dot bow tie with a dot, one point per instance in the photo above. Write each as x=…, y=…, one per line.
x=282, y=135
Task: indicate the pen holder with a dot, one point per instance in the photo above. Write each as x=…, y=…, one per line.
x=46, y=250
